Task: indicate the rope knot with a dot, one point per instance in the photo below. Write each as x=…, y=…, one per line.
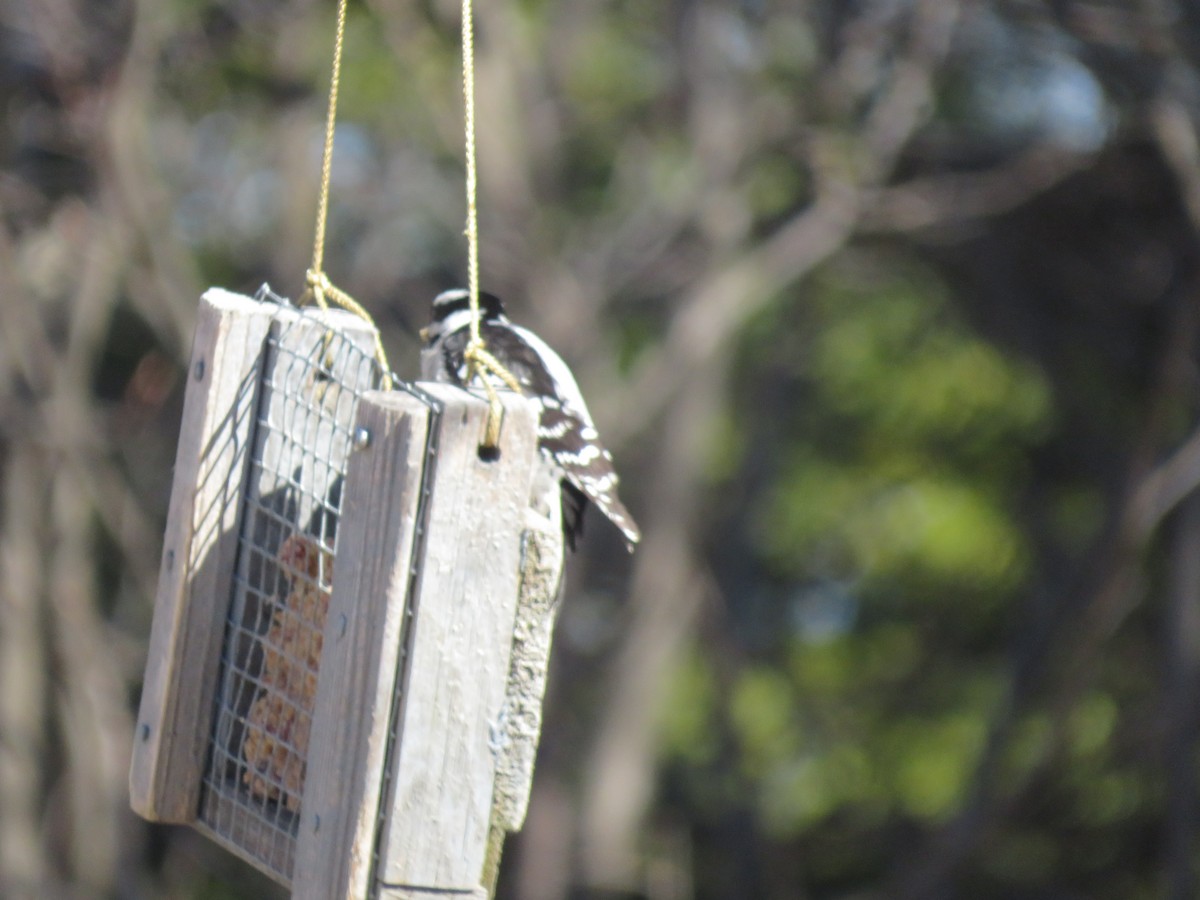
x=318, y=284
x=481, y=362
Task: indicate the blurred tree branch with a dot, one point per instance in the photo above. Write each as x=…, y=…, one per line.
x=678, y=381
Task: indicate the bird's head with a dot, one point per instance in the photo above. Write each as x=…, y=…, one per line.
x=452, y=311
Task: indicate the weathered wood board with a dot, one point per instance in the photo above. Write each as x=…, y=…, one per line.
x=430, y=771
x=365, y=634
x=199, y=550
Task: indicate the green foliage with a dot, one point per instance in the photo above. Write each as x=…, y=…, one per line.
x=688, y=725
x=893, y=525
x=775, y=185
x=816, y=742
x=893, y=496
x=905, y=472
x=613, y=71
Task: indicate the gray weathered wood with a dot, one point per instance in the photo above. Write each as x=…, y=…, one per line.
x=198, y=556
x=542, y=551
x=542, y=560
x=436, y=818
x=363, y=639
x=453, y=696
x=387, y=893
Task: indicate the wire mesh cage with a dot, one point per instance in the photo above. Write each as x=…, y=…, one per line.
x=312, y=378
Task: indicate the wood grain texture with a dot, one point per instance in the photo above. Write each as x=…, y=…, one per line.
x=542, y=562
x=450, y=728
x=363, y=639
x=542, y=558
x=199, y=549
x=388, y=893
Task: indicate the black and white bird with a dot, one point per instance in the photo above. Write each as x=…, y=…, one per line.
x=567, y=437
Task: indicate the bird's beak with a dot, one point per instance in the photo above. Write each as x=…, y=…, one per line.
x=424, y=333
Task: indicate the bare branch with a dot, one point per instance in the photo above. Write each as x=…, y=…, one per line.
x=942, y=201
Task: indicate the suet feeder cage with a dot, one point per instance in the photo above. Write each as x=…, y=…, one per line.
x=352, y=625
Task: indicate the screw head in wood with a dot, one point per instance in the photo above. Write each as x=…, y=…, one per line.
x=362, y=438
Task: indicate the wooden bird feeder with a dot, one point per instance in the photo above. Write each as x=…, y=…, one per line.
x=352, y=625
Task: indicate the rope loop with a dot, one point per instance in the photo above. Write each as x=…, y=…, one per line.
x=480, y=362
x=322, y=290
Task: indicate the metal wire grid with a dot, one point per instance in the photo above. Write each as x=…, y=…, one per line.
x=312, y=379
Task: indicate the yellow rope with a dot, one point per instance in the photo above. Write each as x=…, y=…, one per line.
x=335, y=81
x=468, y=52
x=479, y=360
x=321, y=286
x=318, y=285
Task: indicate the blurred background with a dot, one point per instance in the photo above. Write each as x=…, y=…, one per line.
x=888, y=310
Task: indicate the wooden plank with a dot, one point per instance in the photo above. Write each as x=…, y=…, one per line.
x=542, y=561
x=362, y=648
x=542, y=552
x=387, y=893
x=444, y=766
x=199, y=548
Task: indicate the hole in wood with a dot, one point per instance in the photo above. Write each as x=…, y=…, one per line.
x=488, y=454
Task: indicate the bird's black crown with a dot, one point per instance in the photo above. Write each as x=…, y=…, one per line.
x=449, y=302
